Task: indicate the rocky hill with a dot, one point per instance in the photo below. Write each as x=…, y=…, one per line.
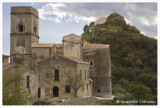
x=133, y=57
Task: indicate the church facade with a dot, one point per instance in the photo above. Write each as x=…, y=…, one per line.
x=73, y=68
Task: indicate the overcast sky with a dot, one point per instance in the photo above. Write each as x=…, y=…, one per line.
x=59, y=19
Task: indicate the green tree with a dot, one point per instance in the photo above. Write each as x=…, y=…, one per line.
x=141, y=92
x=13, y=92
x=149, y=80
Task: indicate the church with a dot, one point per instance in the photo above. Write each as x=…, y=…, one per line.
x=71, y=69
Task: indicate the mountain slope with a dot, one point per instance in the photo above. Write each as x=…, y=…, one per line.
x=133, y=57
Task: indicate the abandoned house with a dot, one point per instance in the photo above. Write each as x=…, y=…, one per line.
x=60, y=70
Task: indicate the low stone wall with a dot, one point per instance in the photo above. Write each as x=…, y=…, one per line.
x=87, y=101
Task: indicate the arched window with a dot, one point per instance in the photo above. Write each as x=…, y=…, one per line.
x=21, y=28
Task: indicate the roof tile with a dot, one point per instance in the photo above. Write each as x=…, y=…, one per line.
x=42, y=45
x=58, y=45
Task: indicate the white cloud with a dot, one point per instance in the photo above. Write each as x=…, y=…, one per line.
x=57, y=20
x=33, y=3
x=59, y=11
x=141, y=15
x=52, y=10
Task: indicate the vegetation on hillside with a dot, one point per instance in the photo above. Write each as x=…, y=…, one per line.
x=133, y=57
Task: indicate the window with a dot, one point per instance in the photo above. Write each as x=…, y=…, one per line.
x=80, y=74
x=39, y=92
x=39, y=78
x=67, y=89
x=35, y=30
x=20, y=28
x=91, y=63
x=98, y=90
x=56, y=76
x=27, y=82
x=87, y=86
x=85, y=74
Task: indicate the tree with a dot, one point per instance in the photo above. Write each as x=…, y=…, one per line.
x=74, y=81
x=13, y=91
x=149, y=80
x=141, y=92
x=124, y=83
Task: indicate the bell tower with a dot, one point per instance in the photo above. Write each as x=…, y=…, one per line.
x=24, y=33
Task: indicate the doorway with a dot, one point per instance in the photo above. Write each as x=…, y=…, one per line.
x=55, y=91
x=39, y=92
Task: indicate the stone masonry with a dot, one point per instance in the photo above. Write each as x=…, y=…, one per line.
x=57, y=70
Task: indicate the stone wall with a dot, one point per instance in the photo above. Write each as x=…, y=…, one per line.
x=103, y=73
x=83, y=70
x=100, y=71
x=33, y=83
x=21, y=40
x=66, y=68
x=53, y=50
x=41, y=53
x=101, y=20
x=72, y=46
x=33, y=80
x=87, y=101
x=5, y=60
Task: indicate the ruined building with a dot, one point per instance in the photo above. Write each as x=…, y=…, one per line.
x=58, y=70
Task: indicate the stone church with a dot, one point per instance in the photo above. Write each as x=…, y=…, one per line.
x=64, y=70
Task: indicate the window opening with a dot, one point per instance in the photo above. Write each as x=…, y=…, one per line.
x=56, y=76
x=91, y=63
x=35, y=30
x=98, y=91
x=27, y=81
x=80, y=74
x=39, y=92
x=55, y=91
x=20, y=28
x=67, y=89
x=85, y=74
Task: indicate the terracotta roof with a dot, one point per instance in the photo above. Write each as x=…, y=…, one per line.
x=42, y=45
x=58, y=45
x=79, y=61
x=75, y=60
x=5, y=55
x=95, y=46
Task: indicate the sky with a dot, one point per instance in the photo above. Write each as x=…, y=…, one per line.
x=59, y=19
